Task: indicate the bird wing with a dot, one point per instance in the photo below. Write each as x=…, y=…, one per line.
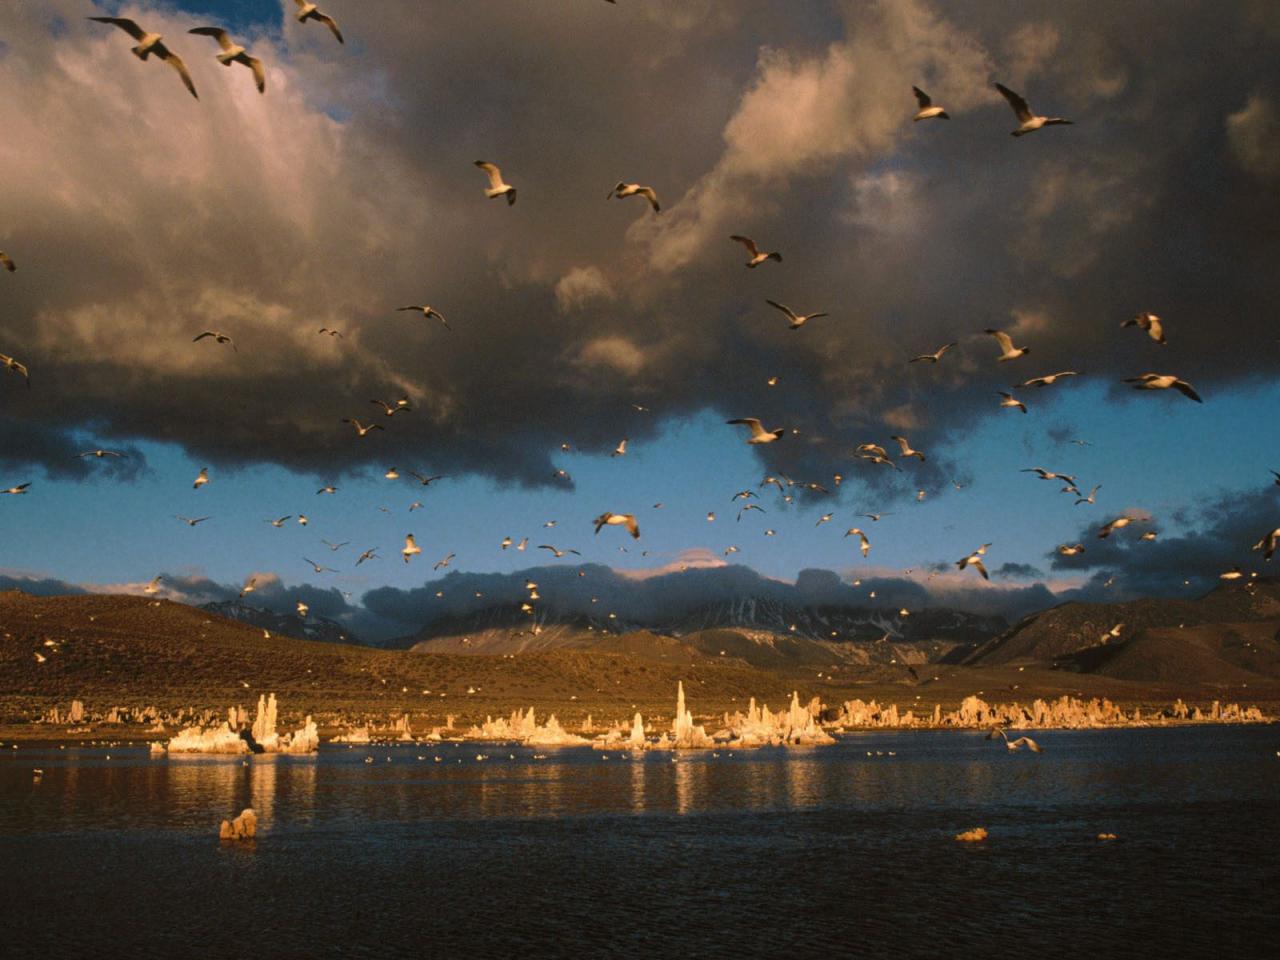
x=756, y=427
x=748, y=243
x=495, y=175
x=1185, y=389
x=649, y=194
x=259, y=75
x=922, y=98
x=124, y=23
x=175, y=61
x=1002, y=338
x=1155, y=330
x=902, y=442
x=783, y=307
x=981, y=568
x=1020, y=108
x=331, y=23
x=207, y=333
x=632, y=527
x=224, y=41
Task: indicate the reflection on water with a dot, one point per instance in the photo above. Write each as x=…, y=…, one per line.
x=813, y=847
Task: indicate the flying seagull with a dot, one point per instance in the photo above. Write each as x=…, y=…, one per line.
x=319, y=568
x=1008, y=350
x=497, y=188
x=1090, y=498
x=758, y=433
x=280, y=522
x=361, y=429
x=1071, y=550
x=309, y=11
x=927, y=110
x=370, y=554
x=1268, y=544
x=13, y=366
x=798, y=320
x=1010, y=401
x=428, y=312
x=149, y=43
x=1163, y=381
x=618, y=519
x=1118, y=524
x=335, y=546
x=758, y=256
x=234, y=53
x=249, y=586
x=410, y=548
x=621, y=449
x=635, y=190
x=327, y=488
x=1148, y=322
x=1028, y=121
x=218, y=337
x=856, y=532
x=19, y=489
x=557, y=553
x=426, y=481
x=1047, y=380
x=201, y=478
x=7, y=262
x=1015, y=744
x=190, y=521
x=391, y=409
x=933, y=357
x=440, y=564
x=975, y=560
x=906, y=448
x=99, y=454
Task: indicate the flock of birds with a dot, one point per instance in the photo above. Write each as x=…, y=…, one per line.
x=757, y=433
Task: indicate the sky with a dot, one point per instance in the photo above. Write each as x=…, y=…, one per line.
x=139, y=217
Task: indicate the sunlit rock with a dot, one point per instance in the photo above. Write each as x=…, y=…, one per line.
x=243, y=827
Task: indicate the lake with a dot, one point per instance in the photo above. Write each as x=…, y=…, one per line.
x=835, y=851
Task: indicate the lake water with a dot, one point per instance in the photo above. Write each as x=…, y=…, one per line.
x=825, y=852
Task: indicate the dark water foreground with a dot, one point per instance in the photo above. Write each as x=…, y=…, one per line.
x=826, y=852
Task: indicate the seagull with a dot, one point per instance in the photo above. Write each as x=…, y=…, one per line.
x=506, y=542
x=201, y=479
x=1119, y=523
x=361, y=429
x=329, y=489
x=303, y=609
x=13, y=366
x=190, y=521
x=797, y=320
x=618, y=519
x=1149, y=535
x=1010, y=401
x=975, y=560
x=757, y=255
x=871, y=449
x=234, y=53
x=856, y=532
x=1071, y=550
x=1048, y=474
x=758, y=433
x=634, y=190
x=149, y=43
x=330, y=331
x=1010, y=352
x=153, y=586
x=621, y=449
x=742, y=495
x=772, y=381
x=333, y=547
x=1015, y=744
x=1048, y=380
x=249, y=586
x=218, y=338
x=496, y=187
x=1163, y=381
x=99, y=454
x=426, y=481
x=933, y=357
x=7, y=262
x=428, y=312
x=1090, y=498
x=906, y=448
x=1148, y=322
x=1268, y=544
x=391, y=409
x=318, y=568
x=729, y=550
x=309, y=11
x=410, y=548
x=557, y=553
x=370, y=554
x=875, y=517
x=927, y=110
x=1028, y=121
x=280, y=522
x=750, y=506
x=439, y=564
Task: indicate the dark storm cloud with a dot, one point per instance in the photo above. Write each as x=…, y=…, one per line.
x=141, y=217
x=23, y=443
x=1212, y=540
